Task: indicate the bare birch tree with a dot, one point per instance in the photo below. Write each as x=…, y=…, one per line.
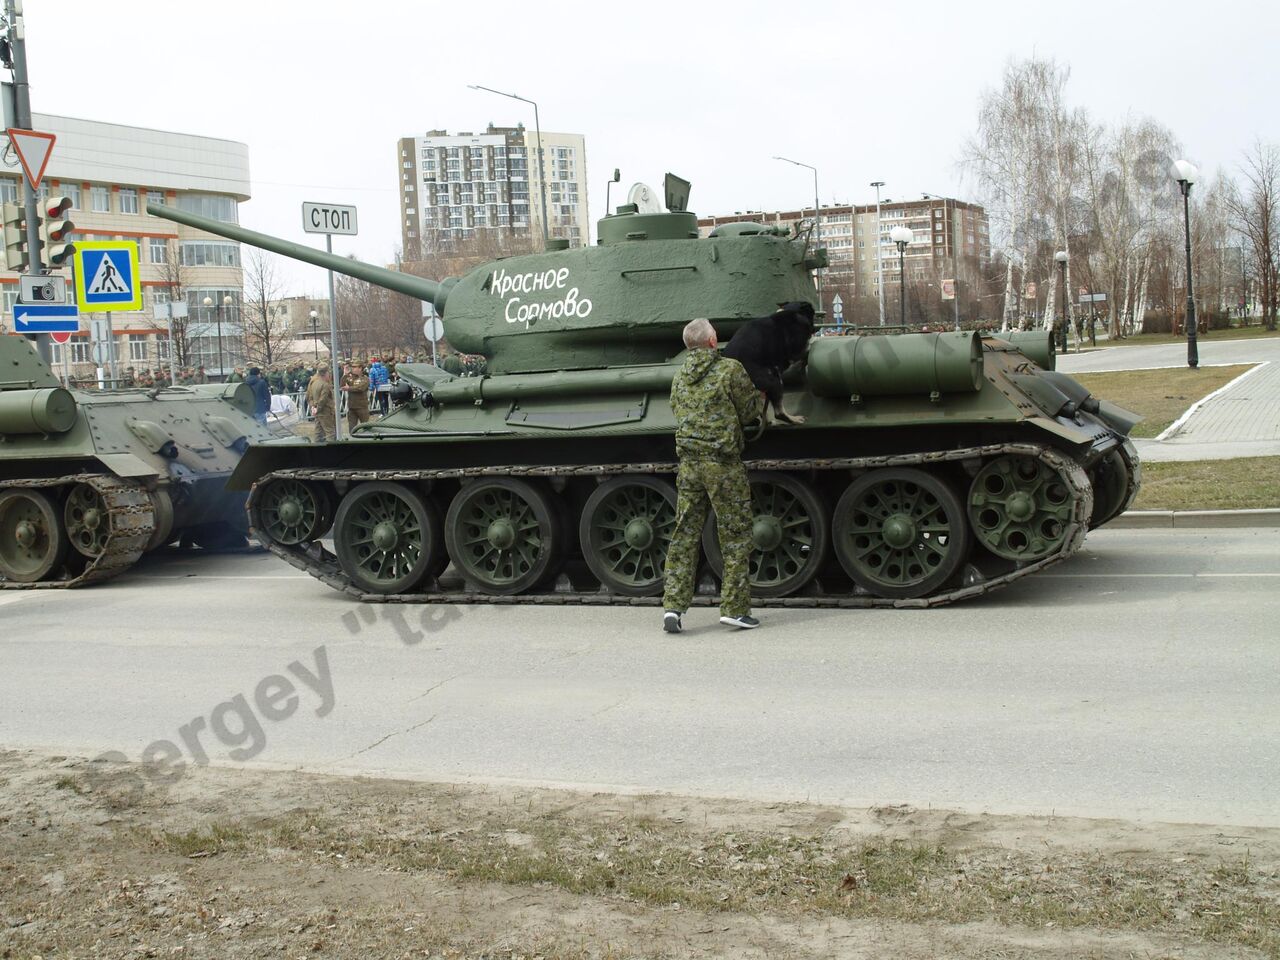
x=1255, y=214
x=266, y=330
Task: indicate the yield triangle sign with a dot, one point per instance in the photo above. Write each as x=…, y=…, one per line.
x=33, y=150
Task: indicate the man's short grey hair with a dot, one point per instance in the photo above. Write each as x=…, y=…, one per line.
x=698, y=333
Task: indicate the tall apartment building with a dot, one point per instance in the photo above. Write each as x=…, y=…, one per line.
x=456, y=187
x=111, y=172
x=950, y=241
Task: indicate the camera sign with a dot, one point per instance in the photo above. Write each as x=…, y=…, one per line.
x=33, y=289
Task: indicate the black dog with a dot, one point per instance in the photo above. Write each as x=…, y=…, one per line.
x=766, y=346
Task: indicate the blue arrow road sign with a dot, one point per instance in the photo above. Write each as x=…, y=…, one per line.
x=46, y=317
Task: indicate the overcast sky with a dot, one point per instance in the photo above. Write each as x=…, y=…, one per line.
x=321, y=91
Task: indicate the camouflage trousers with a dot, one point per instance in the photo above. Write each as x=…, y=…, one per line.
x=722, y=487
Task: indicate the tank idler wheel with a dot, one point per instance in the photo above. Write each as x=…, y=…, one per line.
x=625, y=530
x=1020, y=508
x=900, y=532
x=789, y=535
x=387, y=537
x=88, y=521
x=503, y=535
x=1115, y=480
x=292, y=511
x=33, y=542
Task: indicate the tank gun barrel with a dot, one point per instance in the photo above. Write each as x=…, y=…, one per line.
x=417, y=287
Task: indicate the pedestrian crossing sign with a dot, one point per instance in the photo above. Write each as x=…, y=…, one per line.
x=107, y=275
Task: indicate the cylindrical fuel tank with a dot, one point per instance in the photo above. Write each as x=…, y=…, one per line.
x=1037, y=345
x=50, y=410
x=880, y=366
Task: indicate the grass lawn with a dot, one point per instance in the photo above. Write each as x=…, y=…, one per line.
x=1247, y=482
x=1159, y=395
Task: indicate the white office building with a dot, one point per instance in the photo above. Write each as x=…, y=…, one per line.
x=111, y=172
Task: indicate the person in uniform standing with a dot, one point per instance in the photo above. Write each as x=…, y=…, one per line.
x=712, y=399
x=320, y=399
x=356, y=386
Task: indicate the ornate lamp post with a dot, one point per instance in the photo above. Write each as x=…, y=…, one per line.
x=901, y=236
x=1185, y=174
x=1062, y=257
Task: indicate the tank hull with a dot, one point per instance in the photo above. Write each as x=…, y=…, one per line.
x=559, y=447
x=92, y=480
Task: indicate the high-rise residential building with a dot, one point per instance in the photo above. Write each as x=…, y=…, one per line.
x=458, y=187
x=110, y=173
x=950, y=241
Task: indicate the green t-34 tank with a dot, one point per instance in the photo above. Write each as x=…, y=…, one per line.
x=92, y=479
x=930, y=467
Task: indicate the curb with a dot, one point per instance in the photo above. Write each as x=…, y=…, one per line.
x=1150, y=519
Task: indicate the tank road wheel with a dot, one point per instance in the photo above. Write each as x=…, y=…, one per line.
x=503, y=534
x=789, y=534
x=625, y=529
x=32, y=541
x=387, y=537
x=87, y=520
x=1020, y=508
x=292, y=512
x=900, y=532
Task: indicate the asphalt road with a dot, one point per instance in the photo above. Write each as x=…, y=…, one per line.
x=1211, y=353
x=1137, y=680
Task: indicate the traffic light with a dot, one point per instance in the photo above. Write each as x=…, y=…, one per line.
x=15, y=237
x=55, y=229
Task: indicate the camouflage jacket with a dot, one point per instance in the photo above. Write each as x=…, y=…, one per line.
x=712, y=399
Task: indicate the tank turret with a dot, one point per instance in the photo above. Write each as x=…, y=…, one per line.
x=621, y=302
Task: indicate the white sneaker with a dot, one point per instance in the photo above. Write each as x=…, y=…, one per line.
x=671, y=622
x=744, y=622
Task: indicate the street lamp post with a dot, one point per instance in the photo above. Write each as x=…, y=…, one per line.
x=208, y=302
x=537, y=127
x=953, y=235
x=315, y=342
x=1062, y=257
x=1185, y=174
x=817, y=222
x=901, y=236
x=879, y=260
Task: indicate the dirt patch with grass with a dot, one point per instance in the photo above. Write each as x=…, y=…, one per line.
x=232, y=864
x=1239, y=484
x=1161, y=395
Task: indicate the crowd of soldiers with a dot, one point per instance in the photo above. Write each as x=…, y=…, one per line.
x=159, y=378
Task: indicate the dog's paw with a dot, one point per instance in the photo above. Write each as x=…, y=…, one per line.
x=795, y=419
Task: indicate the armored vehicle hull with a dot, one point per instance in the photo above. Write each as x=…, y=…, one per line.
x=91, y=480
x=929, y=468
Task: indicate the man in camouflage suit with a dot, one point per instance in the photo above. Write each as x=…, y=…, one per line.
x=712, y=399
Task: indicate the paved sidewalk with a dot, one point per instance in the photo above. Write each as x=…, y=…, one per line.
x=1241, y=420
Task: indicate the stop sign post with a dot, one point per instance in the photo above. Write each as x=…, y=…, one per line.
x=331, y=218
x=432, y=328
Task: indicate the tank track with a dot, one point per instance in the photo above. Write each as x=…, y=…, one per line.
x=322, y=565
x=132, y=522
